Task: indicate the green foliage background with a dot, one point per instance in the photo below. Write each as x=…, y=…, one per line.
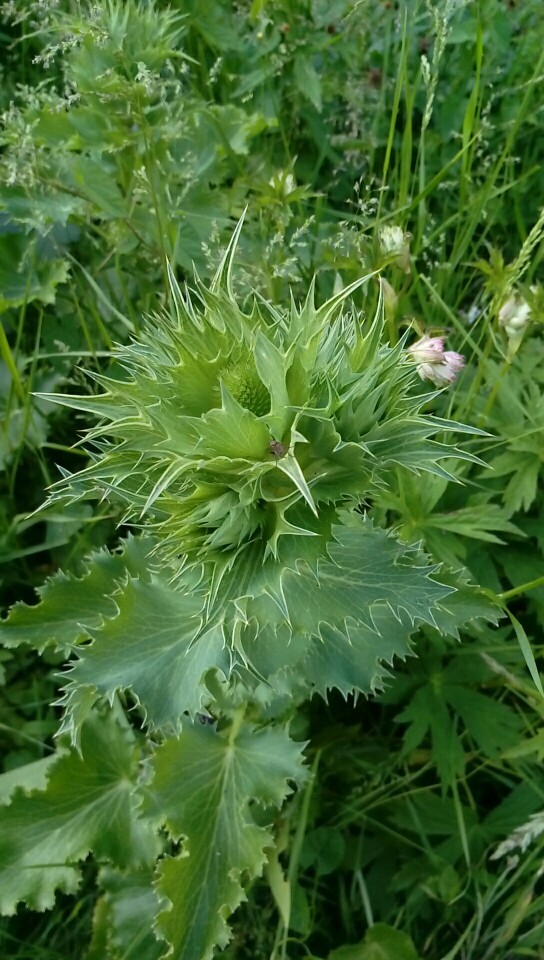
x=134, y=134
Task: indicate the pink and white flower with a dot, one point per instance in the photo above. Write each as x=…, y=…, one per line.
x=435, y=364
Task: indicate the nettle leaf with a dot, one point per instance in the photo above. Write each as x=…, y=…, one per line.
x=203, y=787
x=69, y=606
x=445, y=705
x=89, y=803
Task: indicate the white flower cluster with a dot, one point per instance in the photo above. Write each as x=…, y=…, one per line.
x=515, y=316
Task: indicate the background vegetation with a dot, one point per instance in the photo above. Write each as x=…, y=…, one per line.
x=135, y=133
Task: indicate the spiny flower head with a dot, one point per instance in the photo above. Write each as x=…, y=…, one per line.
x=233, y=428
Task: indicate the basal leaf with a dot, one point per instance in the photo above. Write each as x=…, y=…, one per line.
x=366, y=567
x=150, y=648
x=355, y=658
x=89, y=804
x=70, y=605
x=203, y=786
x=124, y=917
x=31, y=776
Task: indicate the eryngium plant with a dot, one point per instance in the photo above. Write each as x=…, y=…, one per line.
x=246, y=448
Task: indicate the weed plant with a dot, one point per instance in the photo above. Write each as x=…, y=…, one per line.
x=404, y=139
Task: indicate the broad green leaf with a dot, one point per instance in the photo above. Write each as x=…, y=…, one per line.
x=467, y=604
x=381, y=942
x=356, y=658
x=25, y=276
x=203, y=787
x=150, y=648
x=89, y=804
x=97, y=184
x=124, y=918
x=70, y=606
x=340, y=625
x=366, y=567
x=31, y=776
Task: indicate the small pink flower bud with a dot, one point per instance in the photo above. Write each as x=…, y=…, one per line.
x=428, y=350
x=435, y=364
x=454, y=361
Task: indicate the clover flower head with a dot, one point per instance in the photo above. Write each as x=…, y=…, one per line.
x=394, y=242
x=435, y=364
x=514, y=316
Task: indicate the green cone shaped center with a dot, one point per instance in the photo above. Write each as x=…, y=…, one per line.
x=243, y=383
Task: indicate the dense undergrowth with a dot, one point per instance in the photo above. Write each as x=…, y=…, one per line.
x=361, y=138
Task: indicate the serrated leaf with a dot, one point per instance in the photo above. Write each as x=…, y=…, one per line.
x=467, y=604
x=149, y=648
x=31, y=776
x=232, y=431
x=325, y=625
x=89, y=804
x=70, y=605
x=355, y=659
x=367, y=566
x=123, y=922
x=203, y=786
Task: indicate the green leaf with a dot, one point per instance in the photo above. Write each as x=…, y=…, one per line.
x=353, y=659
x=367, y=567
x=340, y=622
x=493, y=725
x=232, y=432
x=150, y=648
x=428, y=712
x=307, y=81
x=25, y=276
x=69, y=606
x=480, y=521
x=381, y=942
x=124, y=918
x=467, y=604
x=89, y=804
x=203, y=786
x=290, y=466
x=30, y=776
x=97, y=184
